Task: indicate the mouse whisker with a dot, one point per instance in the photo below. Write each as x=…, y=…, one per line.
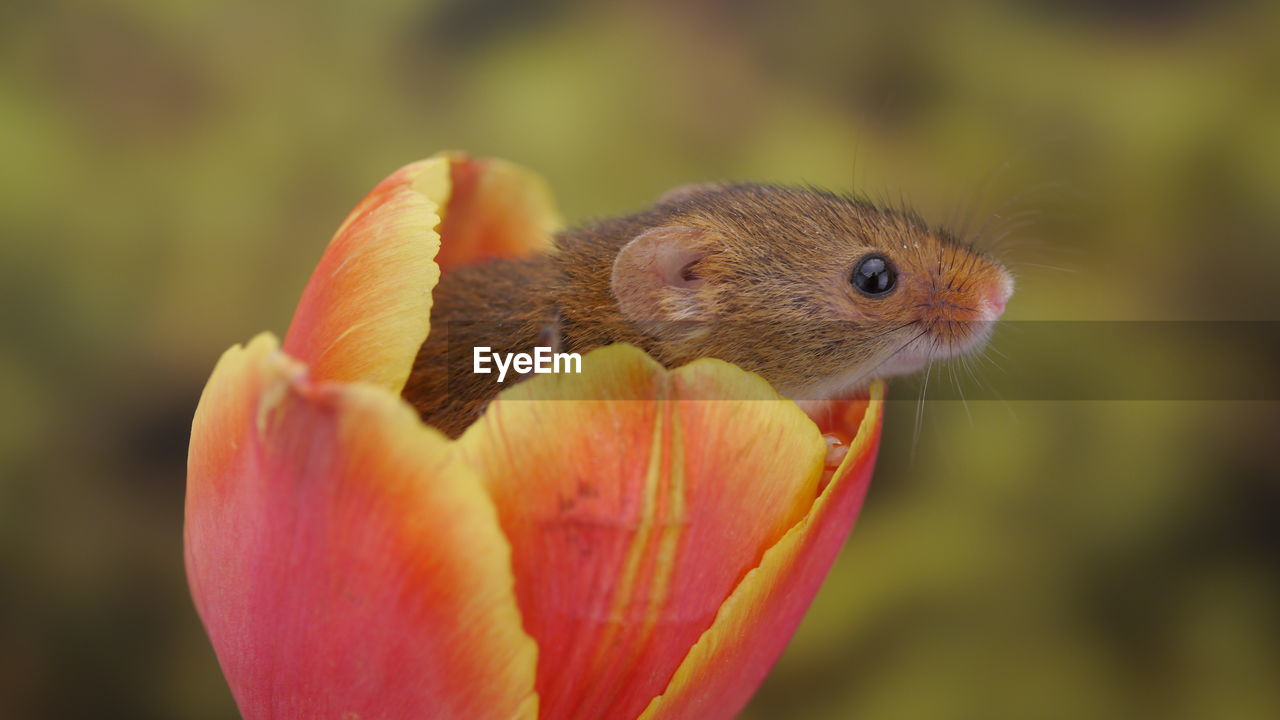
x=988, y=359
x=1010, y=225
x=1041, y=266
x=924, y=390
x=973, y=200
x=882, y=333
x=1024, y=195
x=963, y=271
x=917, y=336
x=955, y=379
x=995, y=350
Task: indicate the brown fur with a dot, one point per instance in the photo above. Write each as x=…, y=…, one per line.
x=775, y=298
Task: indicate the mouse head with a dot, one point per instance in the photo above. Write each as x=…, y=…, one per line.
x=816, y=292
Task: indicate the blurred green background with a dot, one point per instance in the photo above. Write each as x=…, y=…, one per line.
x=172, y=170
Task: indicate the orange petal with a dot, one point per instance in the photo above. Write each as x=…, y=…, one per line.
x=366, y=309
x=496, y=209
x=731, y=659
x=344, y=562
x=635, y=500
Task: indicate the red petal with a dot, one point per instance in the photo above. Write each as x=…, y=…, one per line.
x=344, y=562
x=635, y=500
x=496, y=209
x=366, y=309
x=732, y=658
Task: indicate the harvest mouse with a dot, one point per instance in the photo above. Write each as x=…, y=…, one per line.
x=818, y=293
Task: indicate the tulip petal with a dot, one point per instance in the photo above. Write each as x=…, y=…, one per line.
x=366, y=309
x=496, y=210
x=344, y=561
x=634, y=507
x=732, y=658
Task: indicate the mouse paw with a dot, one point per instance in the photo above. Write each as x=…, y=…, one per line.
x=836, y=450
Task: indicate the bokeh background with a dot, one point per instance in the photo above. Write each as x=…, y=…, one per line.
x=172, y=170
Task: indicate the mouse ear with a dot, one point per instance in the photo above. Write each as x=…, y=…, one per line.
x=684, y=192
x=655, y=279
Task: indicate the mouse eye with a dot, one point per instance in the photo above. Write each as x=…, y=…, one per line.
x=874, y=275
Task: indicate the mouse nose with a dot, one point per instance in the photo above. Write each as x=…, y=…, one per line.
x=997, y=296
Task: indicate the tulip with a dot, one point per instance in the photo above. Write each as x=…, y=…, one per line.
x=630, y=542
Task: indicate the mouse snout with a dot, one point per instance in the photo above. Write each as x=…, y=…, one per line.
x=996, y=296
